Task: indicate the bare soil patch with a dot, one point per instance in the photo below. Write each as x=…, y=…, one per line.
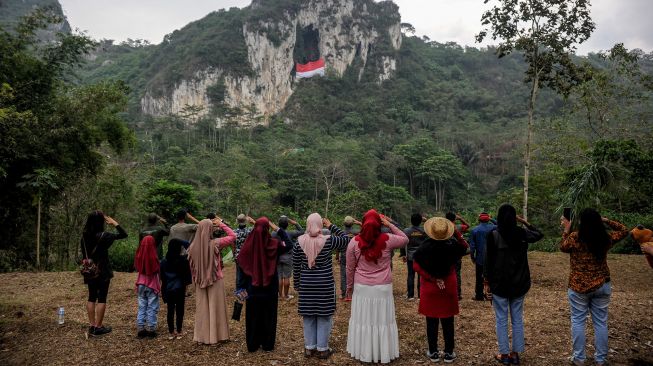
x=29, y=333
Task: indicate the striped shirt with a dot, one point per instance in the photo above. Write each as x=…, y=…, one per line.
x=316, y=287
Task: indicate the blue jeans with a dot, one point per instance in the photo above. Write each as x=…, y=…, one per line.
x=317, y=330
x=343, y=273
x=596, y=303
x=148, y=308
x=502, y=306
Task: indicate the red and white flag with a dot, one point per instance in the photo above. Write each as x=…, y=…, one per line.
x=310, y=69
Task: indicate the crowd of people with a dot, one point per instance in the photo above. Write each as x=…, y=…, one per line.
x=267, y=256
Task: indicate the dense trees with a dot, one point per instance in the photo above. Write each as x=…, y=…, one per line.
x=446, y=132
x=51, y=130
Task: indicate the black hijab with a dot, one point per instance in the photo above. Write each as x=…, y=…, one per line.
x=437, y=256
x=507, y=224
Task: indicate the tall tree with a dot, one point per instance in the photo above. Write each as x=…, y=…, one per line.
x=52, y=130
x=546, y=32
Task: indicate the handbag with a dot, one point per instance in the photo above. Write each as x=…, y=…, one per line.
x=88, y=268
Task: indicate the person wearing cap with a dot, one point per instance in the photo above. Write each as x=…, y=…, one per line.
x=373, y=335
x=416, y=236
x=435, y=260
x=284, y=267
x=341, y=255
x=477, y=244
x=508, y=278
x=241, y=234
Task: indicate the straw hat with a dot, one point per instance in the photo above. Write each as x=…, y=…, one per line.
x=439, y=228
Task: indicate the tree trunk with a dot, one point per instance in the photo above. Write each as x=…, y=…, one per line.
x=38, y=235
x=529, y=141
x=326, y=208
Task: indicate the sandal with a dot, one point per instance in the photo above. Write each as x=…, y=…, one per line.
x=323, y=355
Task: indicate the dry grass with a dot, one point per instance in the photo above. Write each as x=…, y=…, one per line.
x=29, y=333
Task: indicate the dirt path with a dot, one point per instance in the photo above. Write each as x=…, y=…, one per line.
x=29, y=333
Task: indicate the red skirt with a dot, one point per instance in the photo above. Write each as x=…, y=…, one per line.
x=437, y=303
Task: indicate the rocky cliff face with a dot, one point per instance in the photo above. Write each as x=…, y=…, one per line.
x=351, y=32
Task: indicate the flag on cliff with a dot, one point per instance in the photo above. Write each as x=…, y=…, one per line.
x=310, y=69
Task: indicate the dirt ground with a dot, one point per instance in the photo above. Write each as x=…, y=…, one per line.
x=29, y=333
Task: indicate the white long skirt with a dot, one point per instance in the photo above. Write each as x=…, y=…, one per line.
x=373, y=334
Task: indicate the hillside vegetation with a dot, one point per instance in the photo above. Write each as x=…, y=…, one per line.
x=444, y=133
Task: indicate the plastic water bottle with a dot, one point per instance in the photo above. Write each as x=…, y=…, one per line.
x=60, y=318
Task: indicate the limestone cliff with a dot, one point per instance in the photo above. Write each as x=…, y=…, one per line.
x=350, y=33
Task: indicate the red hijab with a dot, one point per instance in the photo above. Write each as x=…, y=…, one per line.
x=371, y=241
x=146, y=261
x=258, y=256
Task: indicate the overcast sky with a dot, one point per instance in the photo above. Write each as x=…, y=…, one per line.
x=627, y=21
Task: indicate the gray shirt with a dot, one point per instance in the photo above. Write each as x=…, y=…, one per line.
x=183, y=231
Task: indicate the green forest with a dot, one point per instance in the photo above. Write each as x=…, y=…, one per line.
x=445, y=133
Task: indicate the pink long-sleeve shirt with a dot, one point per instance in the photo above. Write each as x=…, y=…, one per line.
x=220, y=243
x=362, y=271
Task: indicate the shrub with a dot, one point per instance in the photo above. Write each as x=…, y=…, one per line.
x=122, y=254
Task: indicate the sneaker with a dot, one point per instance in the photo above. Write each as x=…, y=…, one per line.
x=514, y=358
x=142, y=333
x=434, y=357
x=102, y=330
x=290, y=297
x=323, y=355
x=449, y=357
x=91, y=330
x=576, y=362
x=410, y=298
x=151, y=334
x=503, y=359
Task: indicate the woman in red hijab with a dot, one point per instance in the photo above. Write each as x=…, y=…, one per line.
x=372, y=334
x=258, y=261
x=148, y=287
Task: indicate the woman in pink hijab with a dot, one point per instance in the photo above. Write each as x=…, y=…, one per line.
x=313, y=280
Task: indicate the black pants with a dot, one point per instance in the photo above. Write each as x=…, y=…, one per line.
x=176, y=304
x=478, y=287
x=411, y=280
x=261, y=322
x=447, y=332
x=459, y=267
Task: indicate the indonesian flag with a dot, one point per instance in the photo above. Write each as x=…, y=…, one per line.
x=310, y=69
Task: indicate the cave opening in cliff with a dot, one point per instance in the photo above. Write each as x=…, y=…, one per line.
x=307, y=46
